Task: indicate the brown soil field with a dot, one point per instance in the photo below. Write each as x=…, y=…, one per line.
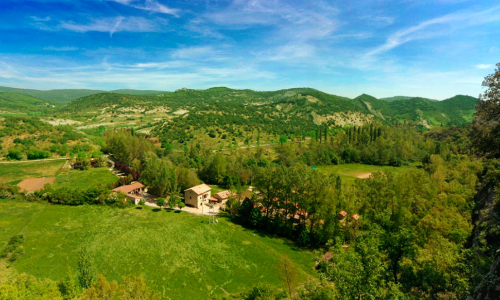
x=34, y=184
x=363, y=175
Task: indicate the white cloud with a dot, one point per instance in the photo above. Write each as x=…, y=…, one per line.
x=67, y=48
x=291, y=51
x=112, y=25
x=150, y=5
x=484, y=66
x=431, y=28
x=162, y=65
x=38, y=19
x=193, y=52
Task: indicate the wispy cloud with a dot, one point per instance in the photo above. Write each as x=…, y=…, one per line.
x=67, y=48
x=484, y=66
x=112, y=25
x=150, y=5
x=193, y=52
x=162, y=65
x=39, y=19
x=308, y=21
x=147, y=75
x=291, y=51
x=431, y=28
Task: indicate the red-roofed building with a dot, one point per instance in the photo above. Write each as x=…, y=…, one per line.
x=132, y=190
x=197, y=195
x=355, y=217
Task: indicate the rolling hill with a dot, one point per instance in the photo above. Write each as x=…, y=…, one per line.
x=64, y=96
x=300, y=104
x=19, y=103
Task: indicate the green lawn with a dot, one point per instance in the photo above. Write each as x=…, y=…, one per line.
x=179, y=254
x=349, y=172
x=84, y=179
x=16, y=172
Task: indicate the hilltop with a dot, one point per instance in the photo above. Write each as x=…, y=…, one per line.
x=301, y=104
x=65, y=96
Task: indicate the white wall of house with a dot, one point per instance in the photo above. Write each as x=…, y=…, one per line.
x=191, y=198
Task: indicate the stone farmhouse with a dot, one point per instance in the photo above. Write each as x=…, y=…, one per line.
x=197, y=195
x=133, y=191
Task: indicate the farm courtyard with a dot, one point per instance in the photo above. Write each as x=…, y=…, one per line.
x=178, y=253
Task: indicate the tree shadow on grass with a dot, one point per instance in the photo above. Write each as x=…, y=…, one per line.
x=177, y=212
x=156, y=209
x=138, y=207
x=262, y=232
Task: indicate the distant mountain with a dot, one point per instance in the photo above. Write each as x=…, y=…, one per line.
x=299, y=105
x=397, y=98
x=138, y=92
x=64, y=96
x=55, y=96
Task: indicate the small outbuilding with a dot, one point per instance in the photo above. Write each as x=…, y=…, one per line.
x=222, y=196
x=133, y=191
x=197, y=195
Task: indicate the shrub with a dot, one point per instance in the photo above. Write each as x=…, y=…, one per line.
x=15, y=154
x=38, y=154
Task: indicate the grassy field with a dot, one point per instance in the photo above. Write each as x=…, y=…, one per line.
x=179, y=254
x=16, y=172
x=84, y=179
x=350, y=172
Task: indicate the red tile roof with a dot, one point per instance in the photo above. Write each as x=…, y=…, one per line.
x=343, y=213
x=223, y=194
x=200, y=189
x=355, y=217
x=129, y=188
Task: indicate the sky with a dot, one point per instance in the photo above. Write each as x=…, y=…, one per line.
x=434, y=49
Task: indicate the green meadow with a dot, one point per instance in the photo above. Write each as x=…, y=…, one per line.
x=350, y=172
x=14, y=173
x=179, y=254
x=84, y=179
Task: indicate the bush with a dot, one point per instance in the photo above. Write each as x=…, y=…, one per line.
x=38, y=154
x=15, y=154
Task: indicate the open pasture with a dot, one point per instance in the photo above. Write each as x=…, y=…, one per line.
x=14, y=173
x=351, y=172
x=84, y=179
x=179, y=254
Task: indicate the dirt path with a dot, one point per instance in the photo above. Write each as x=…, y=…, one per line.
x=29, y=161
x=363, y=175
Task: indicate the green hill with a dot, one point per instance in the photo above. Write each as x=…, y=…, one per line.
x=19, y=103
x=398, y=98
x=64, y=96
x=138, y=92
x=304, y=106
x=55, y=96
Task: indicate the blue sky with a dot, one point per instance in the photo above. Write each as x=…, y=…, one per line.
x=433, y=49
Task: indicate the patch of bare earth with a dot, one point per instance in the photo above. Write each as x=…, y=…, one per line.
x=180, y=112
x=57, y=122
x=34, y=184
x=363, y=175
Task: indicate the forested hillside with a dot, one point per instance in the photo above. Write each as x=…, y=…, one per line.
x=18, y=103
x=64, y=96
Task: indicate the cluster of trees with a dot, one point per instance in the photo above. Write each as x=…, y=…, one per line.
x=99, y=195
x=138, y=156
x=402, y=234
x=40, y=140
